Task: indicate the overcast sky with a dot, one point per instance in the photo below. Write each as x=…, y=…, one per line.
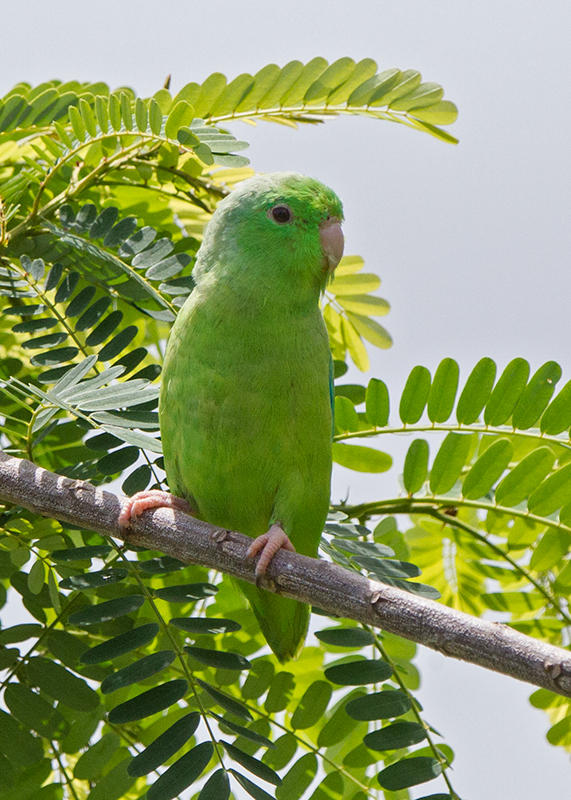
x=472, y=242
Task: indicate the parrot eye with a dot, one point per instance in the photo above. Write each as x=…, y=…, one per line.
x=280, y=214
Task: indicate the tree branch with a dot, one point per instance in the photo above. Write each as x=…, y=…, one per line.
x=334, y=589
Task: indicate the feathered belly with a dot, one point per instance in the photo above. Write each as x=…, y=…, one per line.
x=248, y=440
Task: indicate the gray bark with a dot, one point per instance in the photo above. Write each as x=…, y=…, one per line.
x=315, y=581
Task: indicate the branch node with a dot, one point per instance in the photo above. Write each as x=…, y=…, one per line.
x=219, y=535
x=553, y=669
x=376, y=596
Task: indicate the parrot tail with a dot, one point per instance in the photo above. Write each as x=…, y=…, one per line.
x=283, y=621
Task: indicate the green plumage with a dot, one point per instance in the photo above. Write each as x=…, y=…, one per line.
x=245, y=408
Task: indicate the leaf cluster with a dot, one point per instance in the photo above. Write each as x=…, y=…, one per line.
x=136, y=674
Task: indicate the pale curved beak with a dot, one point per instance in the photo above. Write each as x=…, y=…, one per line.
x=332, y=242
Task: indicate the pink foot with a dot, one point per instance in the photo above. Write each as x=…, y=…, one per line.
x=269, y=543
x=154, y=498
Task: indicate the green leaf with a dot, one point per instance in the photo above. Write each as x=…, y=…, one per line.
x=487, y=469
x=57, y=682
x=560, y=733
x=407, y=81
x=373, y=90
x=307, y=76
x=92, y=763
x=331, y=788
x=409, y=772
x=231, y=704
x=160, y=565
x=282, y=752
x=34, y=712
x=258, y=680
x=19, y=633
x=507, y=392
x=383, y=568
x=217, y=787
x=443, y=113
x=164, y=746
x=252, y=788
x=557, y=416
x=77, y=123
x=240, y=730
x=379, y=705
x=93, y=580
x=182, y=773
x=362, y=71
x=231, y=96
x=345, y=416
x=56, y=356
x=365, y=304
x=17, y=743
x=119, y=645
x=354, y=284
x=551, y=549
x=536, y=396
x=81, y=553
x=180, y=116
x=139, y=671
x=263, y=81
x=427, y=94
x=552, y=493
x=280, y=691
x=49, y=340
x=186, y=592
x=298, y=778
x=221, y=659
x=210, y=90
x=359, y=672
x=328, y=80
x=353, y=391
x=149, y=702
x=443, y=390
x=370, y=330
x=212, y=625
x=449, y=462
x=345, y=637
x=155, y=117
x=361, y=459
x=312, y=704
x=111, y=609
x=36, y=577
x=525, y=477
x=476, y=392
x=415, y=395
x=253, y=765
x=137, y=481
x=395, y=736
x=565, y=515
x=415, y=466
x=118, y=460
x=115, y=784
x=377, y=403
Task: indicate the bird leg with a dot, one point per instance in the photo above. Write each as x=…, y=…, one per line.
x=268, y=544
x=154, y=498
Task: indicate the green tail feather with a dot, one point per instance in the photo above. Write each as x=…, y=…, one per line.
x=283, y=621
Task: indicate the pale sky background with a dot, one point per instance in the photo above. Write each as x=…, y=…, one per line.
x=472, y=242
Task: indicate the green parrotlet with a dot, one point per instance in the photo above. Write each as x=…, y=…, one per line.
x=246, y=398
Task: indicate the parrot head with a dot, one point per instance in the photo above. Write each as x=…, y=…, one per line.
x=281, y=230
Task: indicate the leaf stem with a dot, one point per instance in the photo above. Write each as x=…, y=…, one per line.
x=414, y=708
x=454, y=522
x=498, y=431
x=179, y=652
x=63, y=771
